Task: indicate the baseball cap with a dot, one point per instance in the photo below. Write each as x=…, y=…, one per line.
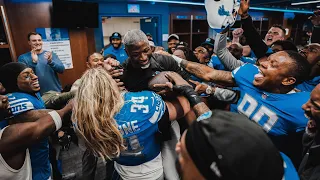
x=151, y=43
x=184, y=44
x=115, y=35
x=173, y=36
x=209, y=41
x=221, y=14
x=230, y=146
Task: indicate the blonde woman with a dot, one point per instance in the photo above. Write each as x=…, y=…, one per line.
x=123, y=126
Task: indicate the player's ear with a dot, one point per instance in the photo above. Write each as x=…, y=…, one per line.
x=288, y=81
x=127, y=51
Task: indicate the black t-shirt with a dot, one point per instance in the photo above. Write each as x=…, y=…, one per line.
x=137, y=79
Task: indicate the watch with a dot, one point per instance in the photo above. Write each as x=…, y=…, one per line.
x=209, y=90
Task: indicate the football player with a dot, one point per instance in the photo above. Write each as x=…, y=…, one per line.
x=124, y=125
x=267, y=95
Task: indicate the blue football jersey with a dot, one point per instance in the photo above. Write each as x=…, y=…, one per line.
x=138, y=123
x=309, y=85
x=248, y=60
x=39, y=153
x=277, y=114
x=216, y=63
x=120, y=53
x=290, y=172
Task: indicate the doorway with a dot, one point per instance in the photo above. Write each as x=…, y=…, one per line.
x=124, y=24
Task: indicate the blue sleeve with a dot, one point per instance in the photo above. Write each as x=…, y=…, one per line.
x=290, y=172
x=216, y=63
x=244, y=75
x=56, y=64
x=24, y=59
x=20, y=104
x=248, y=60
x=158, y=108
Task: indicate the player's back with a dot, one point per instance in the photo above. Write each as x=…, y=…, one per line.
x=138, y=123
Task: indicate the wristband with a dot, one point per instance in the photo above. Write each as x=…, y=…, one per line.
x=189, y=93
x=204, y=116
x=56, y=119
x=177, y=59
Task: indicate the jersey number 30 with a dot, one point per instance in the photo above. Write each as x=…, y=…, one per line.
x=263, y=111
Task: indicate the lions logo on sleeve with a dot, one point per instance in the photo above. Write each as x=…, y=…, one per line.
x=22, y=102
x=138, y=123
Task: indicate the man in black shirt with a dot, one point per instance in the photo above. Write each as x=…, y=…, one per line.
x=142, y=64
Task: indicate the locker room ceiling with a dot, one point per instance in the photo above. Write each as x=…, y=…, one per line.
x=285, y=4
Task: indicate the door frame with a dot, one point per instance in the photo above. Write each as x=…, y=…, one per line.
x=159, y=26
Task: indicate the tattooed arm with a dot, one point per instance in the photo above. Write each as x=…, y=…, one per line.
x=29, y=116
x=208, y=74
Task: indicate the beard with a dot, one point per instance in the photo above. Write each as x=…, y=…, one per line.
x=116, y=45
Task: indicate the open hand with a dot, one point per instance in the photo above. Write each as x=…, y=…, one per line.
x=200, y=87
x=112, y=62
x=244, y=8
x=48, y=56
x=34, y=56
x=175, y=79
x=120, y=85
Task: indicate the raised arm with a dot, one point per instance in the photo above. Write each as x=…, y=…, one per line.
x=207, y=73
x=252, y=36
x=18, y=137
x=226, y=58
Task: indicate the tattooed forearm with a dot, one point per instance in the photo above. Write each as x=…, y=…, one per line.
x=29, y=116
x=200, y=109
x=197, y=69
x=208, y=74
x=222, y=77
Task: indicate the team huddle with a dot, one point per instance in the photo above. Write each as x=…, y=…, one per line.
x=152, y=114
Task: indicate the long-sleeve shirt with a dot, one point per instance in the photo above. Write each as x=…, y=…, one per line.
x=226, y=58
x=253, y=38
x=46, y=72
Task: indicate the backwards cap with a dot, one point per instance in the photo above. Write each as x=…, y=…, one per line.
x=9, y=75
x=222, y=13
x=230, y=146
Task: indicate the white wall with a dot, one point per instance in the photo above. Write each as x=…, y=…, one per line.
x=118, y=24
